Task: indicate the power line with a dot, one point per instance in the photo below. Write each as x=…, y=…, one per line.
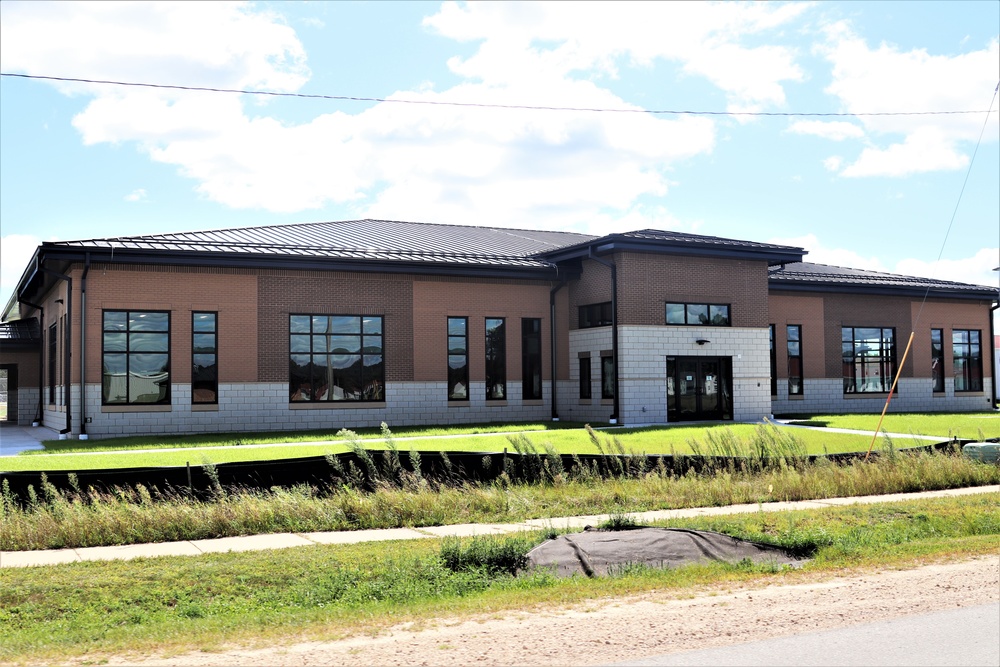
x=523, y=107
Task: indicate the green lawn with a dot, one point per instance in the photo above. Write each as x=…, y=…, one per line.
x=649, y=440
x=170, y=604
x=966, y=425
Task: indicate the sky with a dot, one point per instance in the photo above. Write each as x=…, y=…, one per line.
x=911, y=194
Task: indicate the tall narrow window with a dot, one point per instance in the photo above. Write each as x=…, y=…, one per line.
x=336, y=358
x=794, y=359
x=869, y=359
x=496, y=359
x=937, y=359
x=585, y=377
x=607, y=376
x=968, y=361
x=136, y=357
x=774, y=364
x=53, y=363
x=531, y=358
x=458, y=358
x=204, y=358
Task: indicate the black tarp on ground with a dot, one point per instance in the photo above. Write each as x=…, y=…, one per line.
x=594, y=552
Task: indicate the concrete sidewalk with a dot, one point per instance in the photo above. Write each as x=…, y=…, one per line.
x=286, y=540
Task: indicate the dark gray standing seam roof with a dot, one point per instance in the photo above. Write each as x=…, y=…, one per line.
x=20, y=332
x=372, y=240
x=821, y=277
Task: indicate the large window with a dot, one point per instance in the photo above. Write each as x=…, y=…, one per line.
x=531, y=358
x=496, y=359
x=607, y=376
x=774, y=363
x=458, y=358
x=585, y=377
x=937, y=359
x=336, y=358
x=595, y=315
x=794, y=359
x=135, y=352
x=53, y=363
x=700, y=314
x=204, y=358
x=869, y=356
x=968, y=361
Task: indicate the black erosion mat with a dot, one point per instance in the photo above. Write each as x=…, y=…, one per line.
x=596, y=552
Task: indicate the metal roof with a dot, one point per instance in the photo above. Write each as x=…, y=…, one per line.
x=20, y=331
x=371, y=240
x=823, y=277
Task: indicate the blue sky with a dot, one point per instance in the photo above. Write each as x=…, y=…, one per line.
x=87, y=161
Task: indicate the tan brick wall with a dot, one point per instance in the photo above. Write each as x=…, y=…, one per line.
x=436, y=299
x=807, y=311
x=334, y=293
x=946, y=315
x=646, y=281
x=230, y=292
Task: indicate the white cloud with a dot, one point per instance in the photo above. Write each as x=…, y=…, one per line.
x=886, y=79
x=833, y=162
x=15, y=251
x=819, y=254
x=139, y=194
x=835, y=131
x=976, y=270
x=925, y=149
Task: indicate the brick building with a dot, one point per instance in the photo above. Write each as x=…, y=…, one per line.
x=353, y=323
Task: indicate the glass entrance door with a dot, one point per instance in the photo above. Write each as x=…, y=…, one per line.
x=699, y=388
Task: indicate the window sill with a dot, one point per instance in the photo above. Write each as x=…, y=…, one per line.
x=977, y=392
x=204, y=407
x=496, y=403
x=459, y=404
x=338, y=405
x=137, y=408
x=796, y=397
x=533, y=401
x=607, y=401
x=869, y=394
x=586, y=401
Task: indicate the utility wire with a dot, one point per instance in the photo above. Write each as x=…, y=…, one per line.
x=524, y=107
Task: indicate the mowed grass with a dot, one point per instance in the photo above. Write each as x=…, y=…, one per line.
x=654, y=440
x=962, y=425
x=165, y=605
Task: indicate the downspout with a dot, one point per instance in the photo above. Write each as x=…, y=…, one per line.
x=993, y=353
x=67, y=366
x=552, y=353
x=83, y=349
x=614, y=327
x=41, y=359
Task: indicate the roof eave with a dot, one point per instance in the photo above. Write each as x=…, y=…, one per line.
x=612, y=244
x=883, y=290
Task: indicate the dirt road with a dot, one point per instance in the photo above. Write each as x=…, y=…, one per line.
x=606, y=631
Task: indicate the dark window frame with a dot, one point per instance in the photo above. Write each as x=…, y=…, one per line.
x=774, y=361
x=369, y=377
x=531, y=358
x=937, y=360
x=687, y=307
x=204, y=376
x=607, y=377
x=131, y=321
x=496, y=359
x=458, y=374
x=884, y=360
x=586, y=378
x=594, y=315
x=794, y=346
x=53, y=350
x=967, y=360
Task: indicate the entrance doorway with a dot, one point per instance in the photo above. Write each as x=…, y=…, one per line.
x=8, y=393
x=699, y=388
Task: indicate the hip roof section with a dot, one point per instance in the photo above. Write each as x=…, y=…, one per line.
x=805, y=276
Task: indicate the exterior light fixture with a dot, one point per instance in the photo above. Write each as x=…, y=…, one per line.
x=702, y=341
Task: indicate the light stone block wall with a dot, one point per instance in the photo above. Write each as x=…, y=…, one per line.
x=826, y=396
x=27, y=405
x=643, y=351
x=265, y=407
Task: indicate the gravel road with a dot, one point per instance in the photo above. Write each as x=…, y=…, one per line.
x=613, y=630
